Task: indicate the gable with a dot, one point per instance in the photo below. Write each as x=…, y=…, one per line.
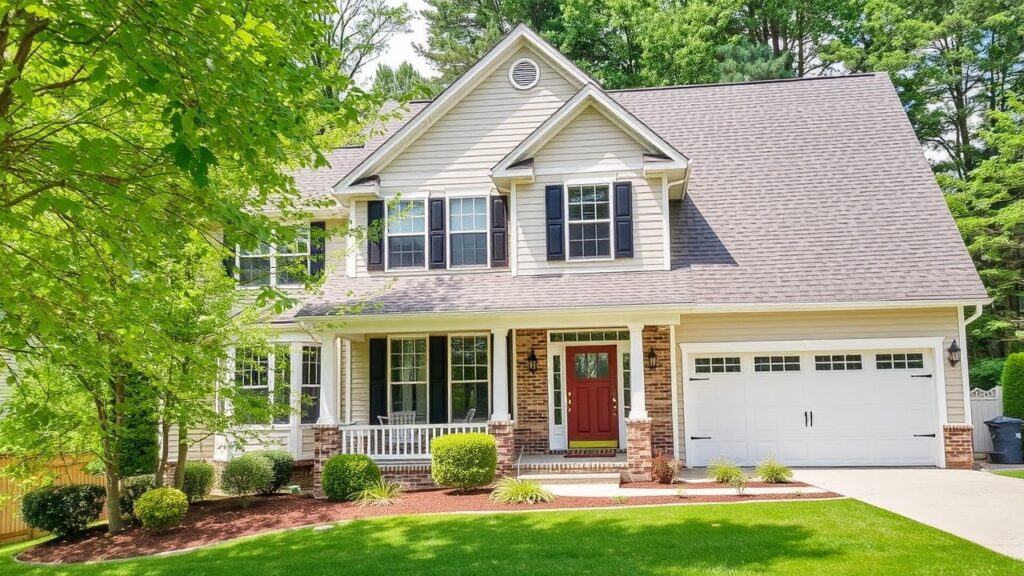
x=589, y=142
x=460, y=148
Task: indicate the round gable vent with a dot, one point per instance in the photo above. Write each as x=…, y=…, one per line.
x=524, y=74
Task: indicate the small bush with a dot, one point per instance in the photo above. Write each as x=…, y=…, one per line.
x=198, y=481
x=283, y=465
x=1013, y=385
x=464, y=461
x=380, y=493
x=247, y=476
x=739, y=483
x=161, y=509
x=345, y=475
x=985, y=373
x=620, y=499
x=722, y=470
x=771, y=470
x=63, y=510
x=516, y=491
x=664, y=469
x=132, y=488
x=681, y=492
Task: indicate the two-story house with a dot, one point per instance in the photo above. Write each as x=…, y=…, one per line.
x=595, y=276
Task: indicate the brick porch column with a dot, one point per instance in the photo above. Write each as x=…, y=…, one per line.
x=639, y=452
x=505, y=437
x=326, y=442
x=958, y=443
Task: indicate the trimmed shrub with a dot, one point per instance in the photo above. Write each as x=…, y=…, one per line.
x=1013, y=385
x=161, y=509
x=132, y=488
x=985, y=373
x=516, y=491
x=198, y=481
x=345, y=475
x=663, y=469
x=380, y=493
x=723, y=471
x=63, y=510
x=283, y=464
x=247, y=476
x=464, y=461
x=771, y=470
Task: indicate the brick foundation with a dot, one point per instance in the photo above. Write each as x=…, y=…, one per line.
x=326, y=442
x=658, y=386
x=302, y=476
x=639, y=454
x=411, y=476
x=958, y=443
x=505, y=435
x=531, y=392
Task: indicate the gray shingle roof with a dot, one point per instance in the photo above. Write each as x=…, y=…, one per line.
x=802, y=192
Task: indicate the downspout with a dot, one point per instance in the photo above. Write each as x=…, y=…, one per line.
x=964, y=372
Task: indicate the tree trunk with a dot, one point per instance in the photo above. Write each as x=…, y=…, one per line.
x=179, y=470
x=165, y=436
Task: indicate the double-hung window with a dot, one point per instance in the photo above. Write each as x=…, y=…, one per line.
x=469, y=377
x=310, y=384
x=274, y=265
x=265, y=378
x=589, y=221
x=467, y=226
x=409, y=377
x=406, y=232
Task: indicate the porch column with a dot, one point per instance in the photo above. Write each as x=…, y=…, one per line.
x=499, y=377
x=637, y=365
x=328, y=381
x=295, y=400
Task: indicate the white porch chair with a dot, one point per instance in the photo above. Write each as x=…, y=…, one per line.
x=401, y=437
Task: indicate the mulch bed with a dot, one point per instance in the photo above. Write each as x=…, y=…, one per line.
x=220, y=520
x=689, y=484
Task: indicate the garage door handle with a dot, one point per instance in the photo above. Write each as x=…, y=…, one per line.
x=812, y=418
x=694, y=379
x=924, y=435
x=805, y=418
x=920, y=375
x=700, y=437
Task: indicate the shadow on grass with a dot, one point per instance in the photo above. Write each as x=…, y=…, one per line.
x=546, y=543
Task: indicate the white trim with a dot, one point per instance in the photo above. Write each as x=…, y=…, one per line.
x=451, y=381
x=448, y=231
x=513, y=232
x=965, y=374
x=674, y=388
x=426, y=371
x=346, y=344
x=610, y=220
x=295, y=399
x=458, y=90
x=512, y=67
x=590, y=95
x=424, y=201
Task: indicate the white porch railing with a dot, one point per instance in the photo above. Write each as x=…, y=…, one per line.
x=400, y=442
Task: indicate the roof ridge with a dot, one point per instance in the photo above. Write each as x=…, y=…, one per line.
x=747, y=83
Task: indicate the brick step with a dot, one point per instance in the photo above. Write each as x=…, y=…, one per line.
x=577, y=478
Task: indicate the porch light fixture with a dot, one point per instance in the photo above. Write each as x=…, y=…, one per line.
x=954, y=353
x=531, y=361
x=652, y=359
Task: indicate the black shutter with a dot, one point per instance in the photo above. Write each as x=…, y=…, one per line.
x=555, y=222
x=378, y=379
x=436, y=226
x=231, y=252
x=317, y=239
x=438, y=379
x=375, y=235
x=499, y=231
x=623, y=219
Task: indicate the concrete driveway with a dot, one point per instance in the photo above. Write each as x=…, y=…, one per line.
x=978, y=506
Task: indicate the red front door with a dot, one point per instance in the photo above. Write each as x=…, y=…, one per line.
x=593, y=392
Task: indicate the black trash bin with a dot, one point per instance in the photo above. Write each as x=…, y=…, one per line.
x=1006, y=443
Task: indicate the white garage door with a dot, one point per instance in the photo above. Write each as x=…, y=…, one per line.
x=830, y=408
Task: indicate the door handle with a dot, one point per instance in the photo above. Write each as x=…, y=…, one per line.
x=805, y=418
x=696, y=379
x=700, y=437
x=924, y=435
x=568, y=396
x=920, y=375
x=812, y=418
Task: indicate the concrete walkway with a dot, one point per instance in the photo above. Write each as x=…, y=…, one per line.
x=981, y=507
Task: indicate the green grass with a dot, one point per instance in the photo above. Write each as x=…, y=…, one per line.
x=828, y=537
x=1011, y=473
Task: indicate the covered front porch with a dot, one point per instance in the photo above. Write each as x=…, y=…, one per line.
x=571, y=397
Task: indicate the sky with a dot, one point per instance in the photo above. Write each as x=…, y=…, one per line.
x=400, y=48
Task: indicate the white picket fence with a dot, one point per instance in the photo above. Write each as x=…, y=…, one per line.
x=985, y=405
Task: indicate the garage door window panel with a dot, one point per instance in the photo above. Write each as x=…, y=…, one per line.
x=720, y=365
x=776, y=363
x=911, y=361
x=838, y=362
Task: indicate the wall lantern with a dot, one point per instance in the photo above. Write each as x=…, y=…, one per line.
x=531, y=361
x=652, y=359
x=954, y=353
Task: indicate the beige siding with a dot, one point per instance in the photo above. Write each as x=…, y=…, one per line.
x=590, y=142
x=912, y=323
x=361, y=383
x=201, y=445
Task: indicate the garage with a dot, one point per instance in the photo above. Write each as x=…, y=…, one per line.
x=831, y=406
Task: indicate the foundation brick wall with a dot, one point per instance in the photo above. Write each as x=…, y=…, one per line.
x=326, y=443
x=658, y=386
x=958, y=443
x=302, y=476
x=531, y=392
x=505, y=436
x=412, y=477
x=639, y=453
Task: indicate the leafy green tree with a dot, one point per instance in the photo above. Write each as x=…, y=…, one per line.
x=746, y=61
x=403, y=83
x=360, y=31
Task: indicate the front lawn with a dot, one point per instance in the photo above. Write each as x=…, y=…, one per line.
x=826, y=537
x=1011, y=473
